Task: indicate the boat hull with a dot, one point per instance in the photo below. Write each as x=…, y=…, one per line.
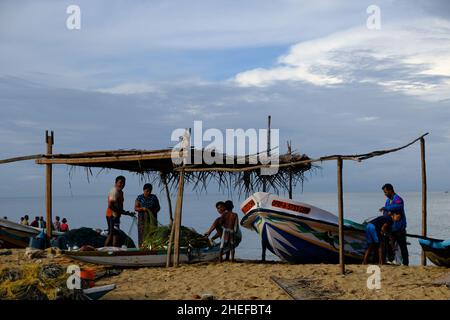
x=142, y=258
x=437, y=252
x=312, y=237
x=15, y=235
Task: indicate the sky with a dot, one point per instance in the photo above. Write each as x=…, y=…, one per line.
x=135, y=71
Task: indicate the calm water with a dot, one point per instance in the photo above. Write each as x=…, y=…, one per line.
x=199, y=213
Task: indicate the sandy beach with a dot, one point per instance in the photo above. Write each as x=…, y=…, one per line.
x=250, y=280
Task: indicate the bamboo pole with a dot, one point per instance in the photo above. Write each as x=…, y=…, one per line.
x=170, y=245
x=341, y=215
x=289, y=145
x=49, y=139
x=269, y=120
x=424, y=195
x=177, y=222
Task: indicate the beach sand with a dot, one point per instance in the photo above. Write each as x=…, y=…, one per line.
x=250, y=280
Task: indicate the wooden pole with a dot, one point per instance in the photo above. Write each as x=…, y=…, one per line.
x=269, y=120
x=177, y=222
x=169, y=201
x=341, y=215
x=424, y=195
x=289, y=145
x=170, y=245
x=49, y=139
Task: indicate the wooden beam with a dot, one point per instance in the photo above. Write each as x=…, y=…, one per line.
x=15, y=159
x=341, y=216
x=92, y=160
x=49, y=139
x=177, y=222
x=424, y=195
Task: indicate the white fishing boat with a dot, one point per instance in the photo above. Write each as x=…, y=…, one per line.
x=301, y=233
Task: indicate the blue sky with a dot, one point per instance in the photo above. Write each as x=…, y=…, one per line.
x=136, y=71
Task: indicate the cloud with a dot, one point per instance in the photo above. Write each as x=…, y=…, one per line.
x=413, y=59
x=129, y=88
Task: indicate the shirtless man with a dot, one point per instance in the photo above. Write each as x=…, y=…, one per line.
x=230, y=233
x=114, y=211
x=217, y=224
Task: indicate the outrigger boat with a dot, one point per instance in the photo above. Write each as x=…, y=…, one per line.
x=301, y=233
x=133, y=257
x=437, y=251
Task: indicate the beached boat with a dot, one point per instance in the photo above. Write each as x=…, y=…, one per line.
x=16, y=235
x=437, y=251
x=300, y=233
x=141, y=258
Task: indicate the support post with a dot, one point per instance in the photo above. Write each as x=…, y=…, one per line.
x=289, y=145
x=177, y=222
x=169, y=201
x=424, y=195
x=49, y=139
x=269, y=120
x=341, y=215
x=170, y=245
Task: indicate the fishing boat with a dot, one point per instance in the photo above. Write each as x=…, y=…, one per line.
x=15, y=235
x=437, y=251
x=301, y=233
x=132, y=257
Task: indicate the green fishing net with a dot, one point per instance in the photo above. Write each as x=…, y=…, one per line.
x=157, y=236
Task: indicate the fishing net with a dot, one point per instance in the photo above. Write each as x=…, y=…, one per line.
x=158, y=238
x=32, y=282
x=88, y=236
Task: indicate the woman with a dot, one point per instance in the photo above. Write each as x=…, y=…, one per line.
x=145, y=203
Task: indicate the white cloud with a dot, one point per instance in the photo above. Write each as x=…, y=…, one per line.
x=367, y=119
x=413, y=59
x=130, y=88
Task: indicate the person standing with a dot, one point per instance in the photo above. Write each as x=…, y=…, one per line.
x=57, y=224
x=25, y=220
x=146, y=203
x=35, y=222
x=114, y=211
x=395, y=205
x=64, y=227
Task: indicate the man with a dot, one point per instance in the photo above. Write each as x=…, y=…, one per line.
x=35, y=222
x=231, y=235
x=57, y=224
x=144, y=203
x=217, y=224
x=42, y=223
x=394, y=204
x=376, y=231
x=114, y=211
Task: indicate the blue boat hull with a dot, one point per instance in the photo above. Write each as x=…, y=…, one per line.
x=437, y=251
x=300, y=240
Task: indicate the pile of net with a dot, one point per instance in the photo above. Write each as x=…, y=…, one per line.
x=158, y=238
x=32, y=282
x=88, y=236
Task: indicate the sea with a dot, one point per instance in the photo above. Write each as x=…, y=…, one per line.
x=199, y=213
